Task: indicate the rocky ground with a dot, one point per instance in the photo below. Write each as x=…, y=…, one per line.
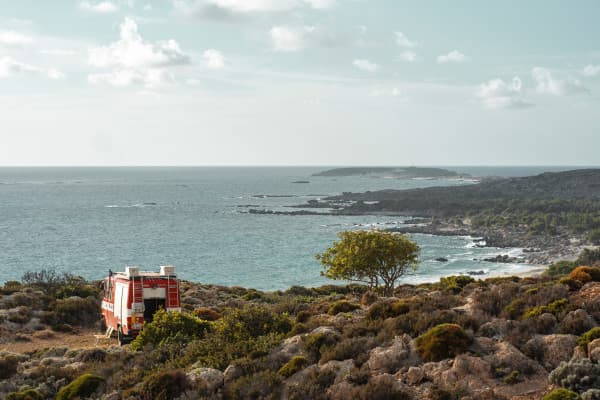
x=502, y=338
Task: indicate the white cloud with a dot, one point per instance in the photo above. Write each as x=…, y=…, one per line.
x=103, y=7
x=14, y=39
x=547, y=84
x=289, y=39
x=10, y=67
x=591, y=70
x=135, y=60
x=154, y=78
x=365, y=65
x=132, y=51
x=227, y=9
x=320, y=4
x=408, y=56
x=497, y=94
x=213, y=59
x=454, y=56
x=403, y=41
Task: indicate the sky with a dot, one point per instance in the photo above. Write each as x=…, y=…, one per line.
x=299, y=82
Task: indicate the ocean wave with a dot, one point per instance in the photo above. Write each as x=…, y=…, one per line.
x=137, y=205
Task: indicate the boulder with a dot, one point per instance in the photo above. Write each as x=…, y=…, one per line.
x=414, y=375
x=208, y=379
x=594, y=350
x=390, y=359
x=232, y=372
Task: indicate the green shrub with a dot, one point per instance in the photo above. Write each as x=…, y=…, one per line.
x=571, y=283
x=342, y=306
x=303, y=316
x=514, y=308
x=262, y=385
x=588, y=257
x=82, y=387
x=29, y=394
x=456, y=283
x=296, y=364
x=384, y=310
x=560, y=268
x=354, y=348
x=313, y=386
x=512, y=378
x=164, y=385
x=77, y=311
x=588, y=337
x=170, y=327
x=8, y=366
x=555, y=308
x=561, y=394
x=442, y=341
x=238, y=333
x=315, y=344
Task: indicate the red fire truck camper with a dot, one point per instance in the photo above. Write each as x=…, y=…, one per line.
x=132, y=297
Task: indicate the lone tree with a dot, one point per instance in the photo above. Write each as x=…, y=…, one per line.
x=376, y=258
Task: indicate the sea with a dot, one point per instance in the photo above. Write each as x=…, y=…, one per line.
x=87, y=220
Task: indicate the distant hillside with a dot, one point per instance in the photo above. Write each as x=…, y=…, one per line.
x=395, y=172
x=541, y=203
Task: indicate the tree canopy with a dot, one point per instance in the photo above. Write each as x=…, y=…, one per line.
x=376, y=258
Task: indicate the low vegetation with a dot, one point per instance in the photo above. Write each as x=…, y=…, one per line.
x=444, y=340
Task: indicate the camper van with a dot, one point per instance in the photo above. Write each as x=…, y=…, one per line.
x=132, y=297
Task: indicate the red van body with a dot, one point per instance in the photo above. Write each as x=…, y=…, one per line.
x=132, y=297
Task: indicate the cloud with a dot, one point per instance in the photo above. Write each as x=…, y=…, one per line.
x=365, y=65
x=404, y=42
x=10, y=67
x=103, y=7
x=14, y=39
x=213, y=59
x=547, y=84
x=591, y=70
x=289, y=39
x=408, y=56
x=498, y=94
x=151, y=79
x=455, y=57
x=135, y=60
x=234, y=9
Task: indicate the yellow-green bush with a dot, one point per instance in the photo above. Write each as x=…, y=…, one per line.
x=555, y=308
x=294, y=365
x=170, y=327
x=342, y=306
x=82, y=387
x=588, y=337
x=561, y=394
x=442, y=341
x=456, y=283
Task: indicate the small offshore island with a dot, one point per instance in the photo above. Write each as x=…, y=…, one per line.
x=511, y=337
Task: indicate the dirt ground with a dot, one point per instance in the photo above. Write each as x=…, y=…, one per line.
x=80, y=339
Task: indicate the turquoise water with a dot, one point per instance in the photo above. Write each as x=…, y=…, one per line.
x=87, y=220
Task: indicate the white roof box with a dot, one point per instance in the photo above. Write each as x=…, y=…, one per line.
x=167, y=270
x=132, y=271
